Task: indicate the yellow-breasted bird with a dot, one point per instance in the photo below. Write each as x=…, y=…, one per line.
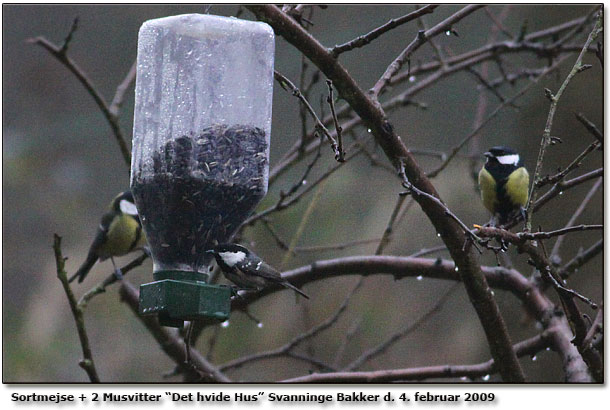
x=119, y=233
x=504, y=184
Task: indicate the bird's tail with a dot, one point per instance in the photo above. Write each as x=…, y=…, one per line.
x=297, y=290
x=85, y=268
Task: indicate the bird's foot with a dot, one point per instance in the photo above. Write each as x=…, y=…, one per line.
x=118, y=274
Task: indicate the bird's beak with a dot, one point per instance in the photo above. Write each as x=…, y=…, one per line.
x=488, y=154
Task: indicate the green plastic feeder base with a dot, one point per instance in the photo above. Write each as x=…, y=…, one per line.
x=178, y=296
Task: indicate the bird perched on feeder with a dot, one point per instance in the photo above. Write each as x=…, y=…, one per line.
x=119, y=233
x=247, y=270
x=504, y=184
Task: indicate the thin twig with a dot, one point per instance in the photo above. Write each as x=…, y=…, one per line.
x=285, y=82
x=331, y=102
x=395, y=337
x=546, y=136
x=548, y=272
x=465, y=140
x=498, y=23
x=60, y=53
x=283, y=203
x=558, y=232
x=575, y=215
x=411, y=189
x=591, y=127
x=582, y=258
x=283, y=350
x=592, y=356
x=365, y=39
x=119, y=95
x=87, y=363
x=112, y=278
x=552, y=179
x=419, y=40
x=527, y=347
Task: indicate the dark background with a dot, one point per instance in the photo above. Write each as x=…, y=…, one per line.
x=61, y=167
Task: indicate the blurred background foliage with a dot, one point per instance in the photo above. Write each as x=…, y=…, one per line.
x=61, y=167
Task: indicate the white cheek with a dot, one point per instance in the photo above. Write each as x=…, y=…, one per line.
x=128, y=207
x=509, y=159
x=231, y=258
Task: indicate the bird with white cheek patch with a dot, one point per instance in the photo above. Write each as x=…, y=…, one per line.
x=504, y=184
x=247, y=270
x=119, y=233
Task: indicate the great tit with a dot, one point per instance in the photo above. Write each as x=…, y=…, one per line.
x=244, y=268
x=119, y=233
x=504, y=184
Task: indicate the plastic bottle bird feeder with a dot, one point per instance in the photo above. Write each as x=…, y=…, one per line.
x=200, y=151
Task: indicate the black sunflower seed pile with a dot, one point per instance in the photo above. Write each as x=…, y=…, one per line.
x=201, y=189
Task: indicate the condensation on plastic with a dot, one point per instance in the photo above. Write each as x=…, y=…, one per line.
x=202, y=115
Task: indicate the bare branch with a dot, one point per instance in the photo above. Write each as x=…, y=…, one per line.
x=575, y=216
x=365, y=39
x=589, y=353
x=171, y=344
x=87, y=363
x=559, y=232
x=419, y=40
x=370, y=111
x=285, y=349
x=581, y=259
x=331, y=102
x=395, y=337
x=112, y=278
x=527, y=347
x=119, y=95
x=61, y=55
x=592, y=128
x=552, y=179
x=285, y=82
x=492, y=115
x=546, y=136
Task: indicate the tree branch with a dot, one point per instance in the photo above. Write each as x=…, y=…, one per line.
x=419, y=40
x=527, y=347
x=60, y=53
x=374, y=117
x=363, y=40
x=171, y=344
x=87, y=363
x=546, y=135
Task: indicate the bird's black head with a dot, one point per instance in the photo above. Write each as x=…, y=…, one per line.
x=503, y=156
x=228, y=254
x=229, y=247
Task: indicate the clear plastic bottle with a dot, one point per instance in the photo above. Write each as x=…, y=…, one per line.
x=202, y=124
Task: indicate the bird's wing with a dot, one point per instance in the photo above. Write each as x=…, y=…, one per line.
x=255, y=266
x=93, y=254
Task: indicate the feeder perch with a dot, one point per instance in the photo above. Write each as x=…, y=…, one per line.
x=200, y=159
